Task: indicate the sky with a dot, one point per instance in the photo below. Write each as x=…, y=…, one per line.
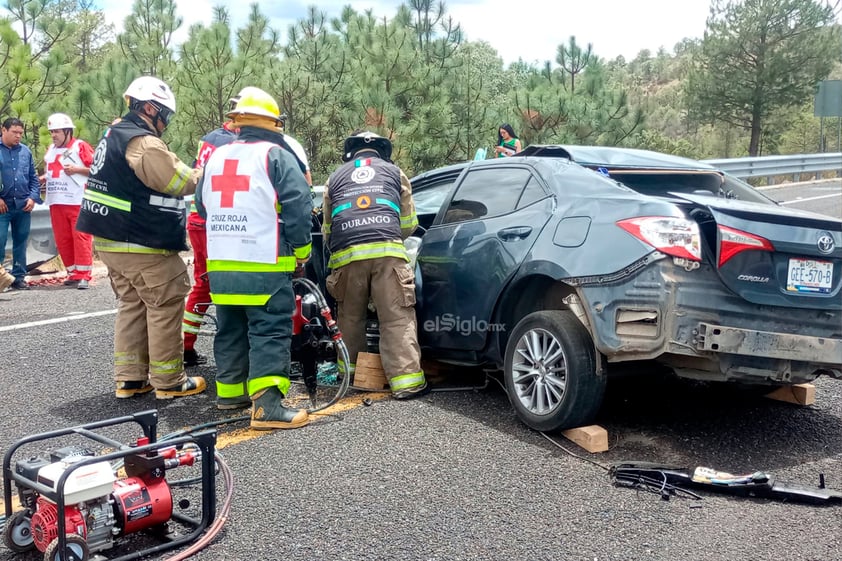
x=530, y=30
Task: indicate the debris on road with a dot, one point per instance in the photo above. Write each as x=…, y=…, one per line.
x=670, y=481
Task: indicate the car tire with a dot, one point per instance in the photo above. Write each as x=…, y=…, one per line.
x=563, y=393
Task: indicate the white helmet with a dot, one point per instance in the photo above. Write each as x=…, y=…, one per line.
x=149, y=88
x=59, y=121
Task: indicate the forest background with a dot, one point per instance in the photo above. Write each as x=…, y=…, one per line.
x=745, y=88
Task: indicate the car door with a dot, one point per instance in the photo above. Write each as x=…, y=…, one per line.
x=472, y=250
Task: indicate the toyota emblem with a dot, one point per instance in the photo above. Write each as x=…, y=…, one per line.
x=825, y=243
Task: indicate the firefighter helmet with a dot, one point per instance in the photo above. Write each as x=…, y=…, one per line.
x=152, y=90
x=59, y=121
x=254, y=101
x=366, y=141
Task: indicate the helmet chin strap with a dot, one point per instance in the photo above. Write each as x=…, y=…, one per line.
x=140, y=107
x=155, y=120
x=67, y=138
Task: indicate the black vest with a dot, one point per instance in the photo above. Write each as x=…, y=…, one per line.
x=160, y=226
x=365, y=195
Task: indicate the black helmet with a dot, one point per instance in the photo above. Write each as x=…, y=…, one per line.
x=366, y=141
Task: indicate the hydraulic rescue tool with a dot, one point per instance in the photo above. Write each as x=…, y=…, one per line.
x=671, y=480
x=316, y=338
x=75, y=503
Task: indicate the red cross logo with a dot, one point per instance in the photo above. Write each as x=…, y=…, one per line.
x=204, y=153
x=56, y=166
x=229, y=183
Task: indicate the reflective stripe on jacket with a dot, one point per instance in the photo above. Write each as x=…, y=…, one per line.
x=251, y=279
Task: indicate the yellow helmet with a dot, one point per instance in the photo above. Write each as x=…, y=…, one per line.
x=254, y=101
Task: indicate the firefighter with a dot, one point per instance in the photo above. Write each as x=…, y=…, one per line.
x=67, y=163
x=368, y=212
x=257, y=206
x=199, y=298
x=133, y=206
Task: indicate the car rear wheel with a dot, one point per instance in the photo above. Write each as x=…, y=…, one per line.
x=550, y=371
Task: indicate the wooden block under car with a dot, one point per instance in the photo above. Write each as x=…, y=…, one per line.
x=799, y=394
x=592, y=438
x=369, y=372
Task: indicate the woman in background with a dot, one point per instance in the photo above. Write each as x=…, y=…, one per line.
x=507, y=142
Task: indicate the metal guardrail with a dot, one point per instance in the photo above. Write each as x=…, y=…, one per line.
x=768, y=166
x=42, y=244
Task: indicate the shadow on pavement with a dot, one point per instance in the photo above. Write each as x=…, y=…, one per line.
x=660, y=418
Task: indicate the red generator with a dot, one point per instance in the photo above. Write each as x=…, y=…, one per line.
x=74, y=504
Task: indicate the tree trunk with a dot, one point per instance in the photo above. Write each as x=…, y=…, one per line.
x=754, y=144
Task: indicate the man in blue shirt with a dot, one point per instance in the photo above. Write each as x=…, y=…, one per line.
x=19, y=192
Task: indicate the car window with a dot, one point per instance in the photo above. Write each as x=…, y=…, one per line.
x=659, y=183
x=317, y=193
x=428, y=200
x=738, y=189
x=531, y=193
x=487, y=192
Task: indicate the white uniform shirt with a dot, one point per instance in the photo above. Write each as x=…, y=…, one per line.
x=298, y=149
x=64, y=189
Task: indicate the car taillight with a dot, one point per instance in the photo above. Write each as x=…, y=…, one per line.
x=674, y=236
x=732, y=242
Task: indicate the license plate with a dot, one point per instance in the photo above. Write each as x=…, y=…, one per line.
x=809, y=275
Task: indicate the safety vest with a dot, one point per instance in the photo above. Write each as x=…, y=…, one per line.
x=365, y=195
x=64, y=189
x=242, y=225
x=124, y=214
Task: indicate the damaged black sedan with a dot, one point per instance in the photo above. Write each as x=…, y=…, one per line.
x=563, y=264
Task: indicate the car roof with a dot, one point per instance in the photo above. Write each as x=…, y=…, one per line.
x=617, y=158
x=446, y=170
x=610, y=157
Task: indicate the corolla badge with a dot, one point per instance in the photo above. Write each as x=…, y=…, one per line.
x=825, y=243
x=753, y=278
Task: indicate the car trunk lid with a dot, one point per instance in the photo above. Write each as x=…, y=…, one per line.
x=774, y=255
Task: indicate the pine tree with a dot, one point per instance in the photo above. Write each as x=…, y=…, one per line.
x=758, y=56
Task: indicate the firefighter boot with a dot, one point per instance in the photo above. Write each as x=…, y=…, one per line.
x=192, y=358
x=6, y=279
x=192, y=385
x=268, y=412
x=132, y=388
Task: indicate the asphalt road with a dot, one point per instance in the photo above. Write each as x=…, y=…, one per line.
x=453, y=475
x=820, y=196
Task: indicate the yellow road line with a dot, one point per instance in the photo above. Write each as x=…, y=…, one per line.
x=224, y=440
x=346, y=404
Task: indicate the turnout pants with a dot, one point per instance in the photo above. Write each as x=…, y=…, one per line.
x=390, y=284
x=199, y=298
x=252, y=344
x=74, y=247
x=147, y=332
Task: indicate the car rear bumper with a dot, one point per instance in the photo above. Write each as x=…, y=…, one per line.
x=749, y=342
x=692, y=322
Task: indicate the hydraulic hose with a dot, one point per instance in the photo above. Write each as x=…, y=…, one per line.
x=221, y=518
x=341, y=350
